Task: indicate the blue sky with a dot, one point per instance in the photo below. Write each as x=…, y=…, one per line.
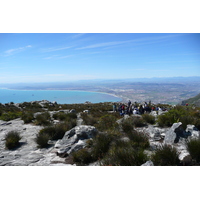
x=54, y=57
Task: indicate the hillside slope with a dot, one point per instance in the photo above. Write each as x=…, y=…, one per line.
x=194, y=100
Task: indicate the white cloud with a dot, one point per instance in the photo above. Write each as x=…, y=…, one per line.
x=57, y=57
x=78, y=35
x=55, y=49
x=141, y=41
x=54, y=75
x=16, y=50
x=106, y=44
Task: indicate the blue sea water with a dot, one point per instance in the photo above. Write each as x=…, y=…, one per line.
x=60, y=96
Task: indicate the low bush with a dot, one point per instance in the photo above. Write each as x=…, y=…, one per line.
x=138, y=122
x=55, y=132
x=121, y=153
x=42, y=140
x=12, y=139
x=166, y=155
x=10, y=116
x=149, y=118
x=27, y=117
x=127, y=125
x=101, y=144
x=88, y=119
x=177, y=114
x=193, y=147
x=138, y=139
x=43, y=119
x=63, y=116
x=82, y=156
x=107, y=122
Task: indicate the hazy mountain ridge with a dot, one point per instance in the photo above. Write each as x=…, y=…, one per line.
x=193, y=101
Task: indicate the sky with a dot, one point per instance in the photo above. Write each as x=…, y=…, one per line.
x=54, y=57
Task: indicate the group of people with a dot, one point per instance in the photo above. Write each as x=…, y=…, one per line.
x=134, y=108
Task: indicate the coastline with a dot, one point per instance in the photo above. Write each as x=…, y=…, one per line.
x=57, y=90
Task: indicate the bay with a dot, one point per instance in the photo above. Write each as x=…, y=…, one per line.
x=60, y=96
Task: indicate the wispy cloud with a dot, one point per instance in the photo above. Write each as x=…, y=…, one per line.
x=57, y=57
x=62, y=57
x=55, y=49
x=106, y=44
x=54, y=75
x=141, y=41
x=78, y=35
x=16, y=50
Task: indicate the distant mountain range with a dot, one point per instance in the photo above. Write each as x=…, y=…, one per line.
x=97, y=83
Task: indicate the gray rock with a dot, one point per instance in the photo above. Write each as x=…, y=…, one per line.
x=75, y=139
x=148, y=163
x=195, y=134
x=170, y=134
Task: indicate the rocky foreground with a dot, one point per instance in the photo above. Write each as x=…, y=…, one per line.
x=28, y=153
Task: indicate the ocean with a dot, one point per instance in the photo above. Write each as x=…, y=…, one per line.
x=60, y=96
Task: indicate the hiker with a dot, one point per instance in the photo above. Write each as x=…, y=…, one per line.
x=114, y=107
x=129, y=103
x=141, y=110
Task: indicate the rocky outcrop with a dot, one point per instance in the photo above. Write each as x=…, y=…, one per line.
x=27, y=153
x=176, y=136
x=75, y=139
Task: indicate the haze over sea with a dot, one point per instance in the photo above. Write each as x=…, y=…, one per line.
x=60, y=96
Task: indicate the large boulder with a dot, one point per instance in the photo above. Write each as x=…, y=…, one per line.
x=176, y=136
x=170, y=134
x=75, y=139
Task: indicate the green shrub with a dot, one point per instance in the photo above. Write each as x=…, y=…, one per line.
x=166, y=155
x=138, y=122
x=193, y=147
x=101, y=144
x=196, y=122
x=177, y=114
x=82, y=157
x=149, y=118
x=127, y=125
x=10, y=116
x=88, y=119
x=43, y=119
x=63, y=116
x=42, y=140
x=55, y=132
x=138, y=139
x=12, y=139
x=107, y=122
x=121, y=153
x=27, y=117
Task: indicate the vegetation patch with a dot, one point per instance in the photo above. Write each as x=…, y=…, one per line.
x=27, y=117
x=121, y=153
x=82, y=156
x=12, y=139
x=101, y=145
x=107, y=122
x=43, y=119
x=42, y=140
x=10, y=116
x=57, y=131
x=166, y=155
x=193, y=147
x=149, y=118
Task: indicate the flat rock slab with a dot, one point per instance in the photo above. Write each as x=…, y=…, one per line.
x=27, y=154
